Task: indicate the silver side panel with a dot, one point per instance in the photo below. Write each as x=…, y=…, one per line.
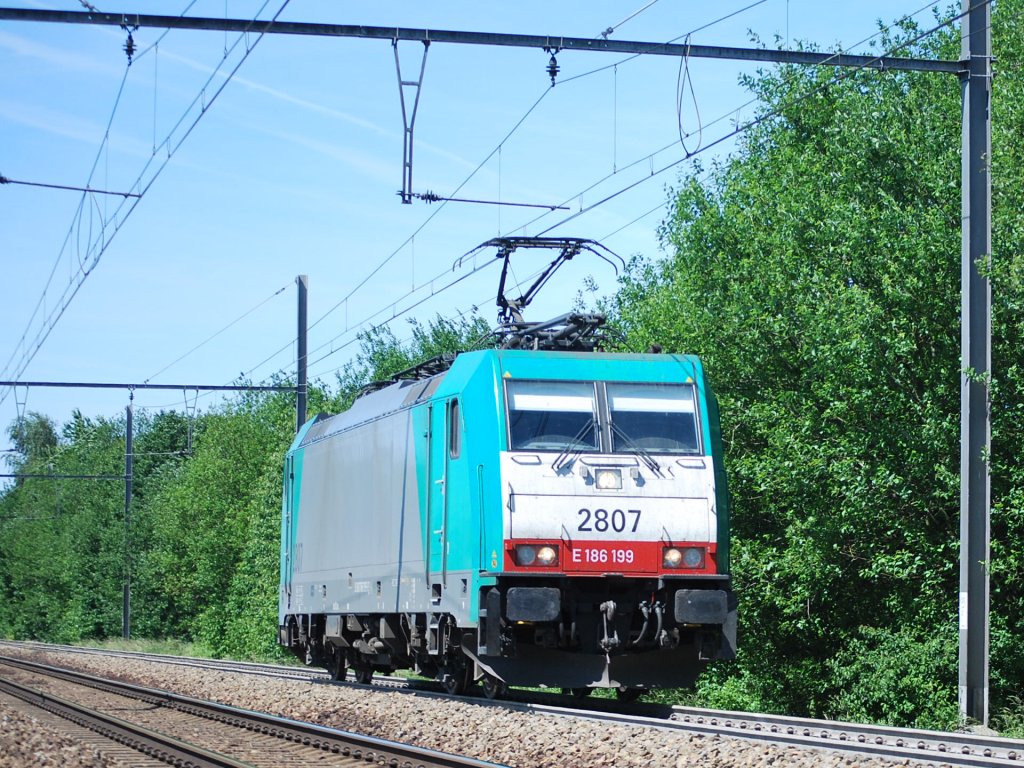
x=358, y=538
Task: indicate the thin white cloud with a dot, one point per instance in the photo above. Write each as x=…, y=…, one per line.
x=281, y=95
x=68, y=126
x=369, y=166
x=323, y=110
x=55, y=57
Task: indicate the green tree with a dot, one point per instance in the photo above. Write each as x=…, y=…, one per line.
x=816, y=271
x=209, y=570
x=62, y=542
x=33, y=437
x=382, y=355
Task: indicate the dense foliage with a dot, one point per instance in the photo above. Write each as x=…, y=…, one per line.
x=201, y=545
x=817, y=273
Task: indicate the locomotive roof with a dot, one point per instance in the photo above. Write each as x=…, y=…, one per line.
x=507, y=363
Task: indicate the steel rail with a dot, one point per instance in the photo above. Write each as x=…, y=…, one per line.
x=160, y=746
x=941, y=744
x=247, y=667
x=278, y=671
x=376, y=750
x=957, y=749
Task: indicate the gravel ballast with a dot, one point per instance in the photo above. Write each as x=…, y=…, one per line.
x=529, y=740
x=26, y=740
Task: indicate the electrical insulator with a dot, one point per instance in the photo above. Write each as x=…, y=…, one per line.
x=129, y=47
x=553, y=69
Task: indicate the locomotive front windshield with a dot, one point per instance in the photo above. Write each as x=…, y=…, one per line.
x=551, y=415
x=602, y=417
x=659, y=418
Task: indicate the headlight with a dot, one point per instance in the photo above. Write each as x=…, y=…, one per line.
x=687, y=557
x=693, y=557
x=547, y=555
x=608, y=479
x=526, y=554
x=536, y=554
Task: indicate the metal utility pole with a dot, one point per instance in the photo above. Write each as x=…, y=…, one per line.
x=976, y=358
x=300, y=398
x=126, y=607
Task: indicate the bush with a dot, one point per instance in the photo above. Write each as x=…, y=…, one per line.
x=903, y=677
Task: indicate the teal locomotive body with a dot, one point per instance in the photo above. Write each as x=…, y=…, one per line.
x=522, y=517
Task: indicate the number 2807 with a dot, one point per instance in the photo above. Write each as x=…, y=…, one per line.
x=602, y=520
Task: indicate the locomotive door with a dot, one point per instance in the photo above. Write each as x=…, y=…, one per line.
x=437, y=509
x=288, y=533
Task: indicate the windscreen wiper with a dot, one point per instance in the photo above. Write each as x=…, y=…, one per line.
x=573, y=448
x=650, y=461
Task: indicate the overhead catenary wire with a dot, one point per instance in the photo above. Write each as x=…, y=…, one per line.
x=694, y=31
x=757, y=120
x=722, y=117
x=739, y=128
x=29, y=354
x=483, y=162
x=683, y=79
x=210, y=338
x=589, y=208
x=65, y=187
x=495, y=151
x=410, y=239
x=76, y=219
x=110, y=226
x=611, y=30
x=41, y=302
x=436, y=211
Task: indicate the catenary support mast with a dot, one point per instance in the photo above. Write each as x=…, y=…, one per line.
x=129, y=461
x=976, y=359
x=302, y=281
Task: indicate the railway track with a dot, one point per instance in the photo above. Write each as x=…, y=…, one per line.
x=183, y=731
x=929, y=747
x=285, y=671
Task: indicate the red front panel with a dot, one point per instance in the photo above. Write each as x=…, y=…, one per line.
x=607, y=557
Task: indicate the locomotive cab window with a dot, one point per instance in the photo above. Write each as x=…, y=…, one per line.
x=660, y=418
x=551, y=415
x=454, y=445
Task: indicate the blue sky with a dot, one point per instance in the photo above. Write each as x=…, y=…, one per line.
x=294, y=168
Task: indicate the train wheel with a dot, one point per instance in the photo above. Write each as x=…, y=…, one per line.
x=363, y=672
x=456, y=678
x=338, y=667
x=493, y=687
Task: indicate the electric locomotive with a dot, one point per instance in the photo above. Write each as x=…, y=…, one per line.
x=547, y=515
